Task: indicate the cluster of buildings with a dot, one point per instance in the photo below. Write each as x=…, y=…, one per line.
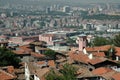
x=28, y=23
x=93, y=63
x=35, y=25
x=30, y=36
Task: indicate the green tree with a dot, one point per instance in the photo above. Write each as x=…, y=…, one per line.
x=7, y=57
x=69, y=72
x=50, y=54
x=111, y=53
x=116, y=40
x=66, y=73
x=100, y=41
x=1, y=22
x=102, y=17
x=42, y=23
x=52, y=75
x=70, y=41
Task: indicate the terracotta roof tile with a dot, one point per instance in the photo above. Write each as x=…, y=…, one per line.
x=79, y=57
x=117, y=48
x=96, y=61
x=6, y=76
x=10, y=69
x=41, y=62
x=25, y=48
x=100, y=48
x=116, y=76
x=101, y=70
x=20, y=52
x=117, y=51
x=41, y=73
x=51, y=63
x=99, y=54
x=37, y=55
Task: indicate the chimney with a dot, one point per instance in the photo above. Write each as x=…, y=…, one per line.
x=98, y=51
x=84, y=51
x=117, y=58
x=90, y=56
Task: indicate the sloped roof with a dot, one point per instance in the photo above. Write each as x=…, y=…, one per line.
x=79, y=57
x=51, y=63
x=6, y=76
x=96, y=60
x=101, y=70
x=41, y=73
x=116, y=76
x=37, y=55
x=100, y=48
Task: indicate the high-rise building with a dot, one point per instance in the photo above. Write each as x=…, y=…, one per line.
x=47, y=10
x=66, y=9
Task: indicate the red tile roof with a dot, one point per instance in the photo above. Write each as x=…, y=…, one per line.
x=116, y=76
x=101, y=70
x=10, y=69
x=41, y=73
x=96, y=61
x=41, y=62
x=25, y=48
x=20, y=52
x=79, y=57
x=51, y=63
x=103, y=48
x=100, y=48
x=99, y=54
x=6, y=76
x=117, y=51
x=37, y=55
x=85, y=59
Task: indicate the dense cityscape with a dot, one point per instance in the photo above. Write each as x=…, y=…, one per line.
x=59, y=40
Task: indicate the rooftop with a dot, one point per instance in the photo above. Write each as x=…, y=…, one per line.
x=116, y=76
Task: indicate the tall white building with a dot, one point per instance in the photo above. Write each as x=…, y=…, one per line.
x=66, y=9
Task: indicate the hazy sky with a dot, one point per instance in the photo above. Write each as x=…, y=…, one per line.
x=85, y=1
x=49, y=2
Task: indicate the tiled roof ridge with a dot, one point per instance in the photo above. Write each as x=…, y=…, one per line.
x=7, y=73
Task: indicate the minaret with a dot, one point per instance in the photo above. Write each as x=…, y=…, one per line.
x=81, y=40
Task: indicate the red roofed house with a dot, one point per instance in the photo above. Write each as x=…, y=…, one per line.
x=7, y=73
x=117, y=53
x=104, y=73
x=116, y=76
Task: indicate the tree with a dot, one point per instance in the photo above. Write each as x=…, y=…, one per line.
x=42, y=23
x=1, y=22
x=52, y=75
x=116, y=40
x=50, y=54
x=70, y=41
x=100, y=41
x=7, y=57
x=111, y=52
x=66, y=73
